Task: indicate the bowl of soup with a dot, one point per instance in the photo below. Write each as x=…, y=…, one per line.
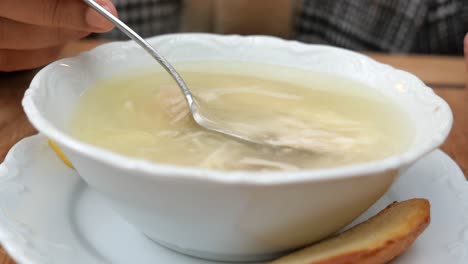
x=341, y=128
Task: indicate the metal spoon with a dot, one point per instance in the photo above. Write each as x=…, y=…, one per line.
x=199, y=117
x=208, y=117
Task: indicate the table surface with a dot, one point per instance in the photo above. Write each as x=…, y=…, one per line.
x=447, y=75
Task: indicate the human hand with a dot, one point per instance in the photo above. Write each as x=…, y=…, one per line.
x=466, y=56
x=33, y=32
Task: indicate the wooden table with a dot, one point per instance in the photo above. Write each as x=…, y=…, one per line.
x=447, y=75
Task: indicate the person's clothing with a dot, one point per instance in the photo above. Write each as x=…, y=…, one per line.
x=417, y=26
x=147, y=17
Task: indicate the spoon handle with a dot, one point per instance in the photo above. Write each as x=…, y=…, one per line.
x=146, y=46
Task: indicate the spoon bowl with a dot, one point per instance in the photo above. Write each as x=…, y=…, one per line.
x=210, y=120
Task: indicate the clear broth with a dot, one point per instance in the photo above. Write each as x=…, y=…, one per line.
x=339, y=121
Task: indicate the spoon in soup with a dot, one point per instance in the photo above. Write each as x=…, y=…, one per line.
x=212, y=118
x=199, y=114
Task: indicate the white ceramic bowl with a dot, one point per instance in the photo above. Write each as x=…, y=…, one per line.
x=232, y=215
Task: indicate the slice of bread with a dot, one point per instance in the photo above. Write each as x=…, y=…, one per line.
x=375, y=241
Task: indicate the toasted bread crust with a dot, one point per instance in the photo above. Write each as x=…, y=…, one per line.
x=406, y=229
x=380, y=255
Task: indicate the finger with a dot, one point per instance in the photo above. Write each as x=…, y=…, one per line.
x=466, y=56
x=16, y=60
x=466, y=47
x=72, y=14
x=20, y=36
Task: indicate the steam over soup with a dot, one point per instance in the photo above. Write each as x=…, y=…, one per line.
x=315, y=120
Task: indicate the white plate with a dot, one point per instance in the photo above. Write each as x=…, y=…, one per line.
x=49, y=215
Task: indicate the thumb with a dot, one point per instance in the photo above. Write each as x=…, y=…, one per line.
x=466, y=57
x=96, y=20
x=68, y=14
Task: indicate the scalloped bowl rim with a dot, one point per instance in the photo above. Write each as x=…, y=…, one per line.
x=152, y=169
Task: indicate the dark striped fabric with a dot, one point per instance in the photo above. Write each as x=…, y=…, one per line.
x=147, y=17
x=416, y=26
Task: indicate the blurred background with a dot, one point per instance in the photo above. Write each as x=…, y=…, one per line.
x=396, y=26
